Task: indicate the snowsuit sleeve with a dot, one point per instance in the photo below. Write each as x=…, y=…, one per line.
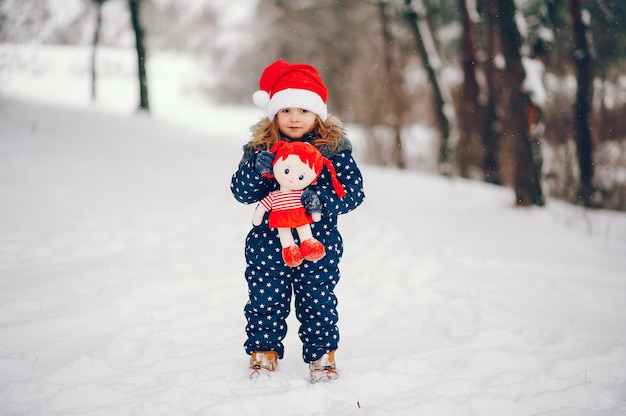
x=247, y=185
x=350, y=177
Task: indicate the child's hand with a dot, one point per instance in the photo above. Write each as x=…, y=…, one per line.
x=311, y=202
x=316, y=216
x=263, y=163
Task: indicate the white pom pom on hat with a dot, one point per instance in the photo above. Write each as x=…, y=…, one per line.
x=284, y=85
x=261, y=98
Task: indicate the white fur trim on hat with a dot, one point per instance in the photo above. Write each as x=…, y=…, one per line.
x=296, y=98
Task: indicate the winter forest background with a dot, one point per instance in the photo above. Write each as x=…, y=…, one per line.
x=527, y=94
x=492, y=285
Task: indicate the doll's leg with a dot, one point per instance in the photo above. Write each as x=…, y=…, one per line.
x=304, y=232
x=310, y=247
x=285, y=236
x=291, y=252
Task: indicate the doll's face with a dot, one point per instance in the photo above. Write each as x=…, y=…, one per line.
x=293, y=174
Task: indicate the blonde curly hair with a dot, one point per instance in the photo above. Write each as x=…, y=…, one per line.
x=329, y=133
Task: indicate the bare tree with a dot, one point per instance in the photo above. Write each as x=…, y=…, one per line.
x=527, y=154
x=583, y=107
x=135, y=8
x=469, y=108
x=394, y=96
x=443, y=107
x=492, y=131
x=96, y=41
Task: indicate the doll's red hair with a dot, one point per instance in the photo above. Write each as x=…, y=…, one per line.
x=310, y=155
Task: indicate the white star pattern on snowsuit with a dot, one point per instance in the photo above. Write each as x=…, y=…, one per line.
x=271, y=283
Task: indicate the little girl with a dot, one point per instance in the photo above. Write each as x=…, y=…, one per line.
x=294, y=98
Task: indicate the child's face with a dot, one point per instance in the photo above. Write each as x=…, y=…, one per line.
x=295, y=122
x=293, y=174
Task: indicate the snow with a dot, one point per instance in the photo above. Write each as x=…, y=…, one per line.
x=533, y=82
x=122, y=289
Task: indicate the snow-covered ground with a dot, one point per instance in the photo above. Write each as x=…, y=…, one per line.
x=122, y=289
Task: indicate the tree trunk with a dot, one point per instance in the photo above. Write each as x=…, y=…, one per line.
x=469, y=106
x=134, y=6
x=430, y=57
x=583, y=107
x=527, y=155
x=492, y=131
x=96, y=40
x=394, y=98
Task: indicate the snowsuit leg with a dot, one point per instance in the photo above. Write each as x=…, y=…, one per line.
x=270, y=287
x=269, y=292
x=315, y=300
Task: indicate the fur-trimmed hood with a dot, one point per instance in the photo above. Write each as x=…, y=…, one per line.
x=334, y=125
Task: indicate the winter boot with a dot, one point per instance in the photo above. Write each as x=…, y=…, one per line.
x=312, y=249
x=263, y=362
x=323, y=369
x=292, y=256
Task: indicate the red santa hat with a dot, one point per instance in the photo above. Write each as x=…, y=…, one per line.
x=285, y=85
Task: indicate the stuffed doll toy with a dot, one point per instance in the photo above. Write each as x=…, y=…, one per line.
x=296, y=166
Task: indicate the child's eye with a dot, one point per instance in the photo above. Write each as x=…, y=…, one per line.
x=286, y=171
x=304, y=110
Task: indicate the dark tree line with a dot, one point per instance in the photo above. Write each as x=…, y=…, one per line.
x=495, y=96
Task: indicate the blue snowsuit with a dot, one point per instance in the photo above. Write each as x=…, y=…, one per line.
x=271, y=282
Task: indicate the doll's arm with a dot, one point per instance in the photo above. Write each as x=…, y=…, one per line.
x=257, y=215
x=264, y=206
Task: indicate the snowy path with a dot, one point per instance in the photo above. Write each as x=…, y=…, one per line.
x=121, y=288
